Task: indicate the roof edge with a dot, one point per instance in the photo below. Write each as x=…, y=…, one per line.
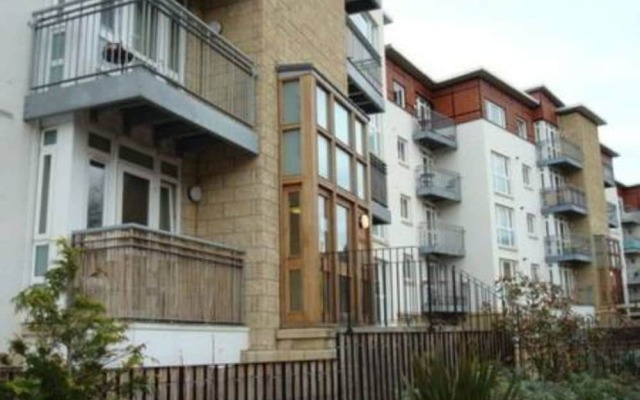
x=584, y=111
x=547, y=92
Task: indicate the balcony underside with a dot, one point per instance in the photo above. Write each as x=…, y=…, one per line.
x=357, y=6
x=563, y=163
x=146, y=99
x=362, y=92
x=609, y=182
x=381, y=214
x=434, y=141
x=569, y=258
x=435, y=250
x=631, y=218
x=438, y=195
x=632, y=251
x=570, y=210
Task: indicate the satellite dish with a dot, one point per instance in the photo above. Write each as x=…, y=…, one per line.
x=216, y=27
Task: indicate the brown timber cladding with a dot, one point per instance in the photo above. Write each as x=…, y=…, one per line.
x=143, y=275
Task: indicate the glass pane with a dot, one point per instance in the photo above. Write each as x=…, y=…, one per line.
x=167, y=207
x=99, y=143
x=324, y=163
x=135, y=200
x=50, y=137
x=341, y=128
x=343, y=169
x=291, y=102
x=295, y=290
x=342, y=222
x=323, y=224
x=44, y=194
x=362, y=179
x=360, y=137
x=294, y=224
x=107, y=15
x=95, y=200
x=169, y=169
x=57, y=46
x=322, y=112
x=136, y=157
x=41, y=263
x=291, y=156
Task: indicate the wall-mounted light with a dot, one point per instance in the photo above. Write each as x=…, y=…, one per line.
x=195, y=193
x=364, y=221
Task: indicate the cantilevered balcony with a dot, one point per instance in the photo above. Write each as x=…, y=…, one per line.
x=607, y=172
x=438, y=184
x=568, y=249
x=631, y=245
x=364, y=71
x=442, y=240
x=144, y=275
x=152, y=61
x=630, y=216
x=436, y=132
x=560, y=153
x=612, y=215
x=358, y=6
x=567, y=200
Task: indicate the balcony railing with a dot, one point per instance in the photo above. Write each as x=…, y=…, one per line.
x=396, y=286
x=364, y=69
x=564, y=200
x=86, y=40
x=570, y=248
x=630, y=216
x=145, y=275
x=436, y=132
x=560, y=153
x=378, y=180
x=438, y=184
x=609, y=178
x=612, y=215
x=633, y=276
x=631, y=244
x=442, y=239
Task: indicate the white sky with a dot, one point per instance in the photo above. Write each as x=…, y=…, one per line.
x=585, y=51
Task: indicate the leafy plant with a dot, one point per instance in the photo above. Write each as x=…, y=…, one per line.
x=70, y=342
x=469, y=378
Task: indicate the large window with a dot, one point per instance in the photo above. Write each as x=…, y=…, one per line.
x=95, y=198
x=505, y=227
x=495, y=113
x=291, y=99
x=343, y=169
x=135, y=199
x=341, y=123
x=362, y=181
x=501, y=174
x=322, y=108
x=343, y=224
x=367, y=26
x=291, y=153
x=295, y=211
x=323, y=224
x=324, y=157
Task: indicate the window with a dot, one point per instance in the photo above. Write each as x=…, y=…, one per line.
x=323, y=224
x=95, y=198
x=295, y=212
x=531, y=224
x=405, y=212
x=167, y=217
x=41, y=260
x=379, y=231
x=505, y=229
x=343, y=169
x=361, y=137
x=99, y=143
x=291, y=153
x=136, y=157
x=324, y=157
x=501, y=179
x=342, y=225
x=45, y=184
x=375, y=144
x=341, y=123
x=56, y=61
x=526, y=175
x=402, y=150
x=521, y=126
x=107, y=15
x=367, y=26
x=535, y=272
x=362, y=181
x=495, y=113
x=423, y=109
x=135, y=199
x=295, y=290
x=50, y=138
x=399, y=96
x=322, y=110
x=291, y=102
x=508, y=268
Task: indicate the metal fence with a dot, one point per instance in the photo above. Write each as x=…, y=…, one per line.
x=438, y=183
x=438, y=124
x=567, y=246
x=559, y=148
x=442, y=239
x=84, y=40
x=564, y=196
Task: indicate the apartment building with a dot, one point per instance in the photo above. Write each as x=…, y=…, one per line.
x=203, y=153
x=492, y=180
x=629, y=207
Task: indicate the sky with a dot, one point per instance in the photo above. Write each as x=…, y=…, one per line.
x=585, y=51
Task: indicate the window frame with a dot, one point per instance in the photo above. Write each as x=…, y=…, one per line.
x=399, y=94
x=502, y=174
x=402, y=147
x=508, y=230
x=490, y=108
x=405, y=205
x=526, y=175
x=532, y=225
x=512, y=266
x=522, y=133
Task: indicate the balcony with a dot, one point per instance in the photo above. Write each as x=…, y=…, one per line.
x=145, y=275
x=568, y=249
x=561, y=154
x=358, y=6
x=633, y=277
x=567, y=200
x=364, y=71
x=437, y=132
x=379, y=205
x=630, y=216
x=152, y=61
x=438, y=185
x=607, y=172
x=612, y=215
x=631, y=245
x=442, y=240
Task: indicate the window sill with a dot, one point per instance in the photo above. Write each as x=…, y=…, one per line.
x=529, y=187
x=406, y=222
x=513, y=249
x=404, y=164
x=533, y=237
x=504, y=195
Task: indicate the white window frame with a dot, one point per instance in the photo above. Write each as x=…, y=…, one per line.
x=403, y=147
x=521, y=128
x=508, y=265
x=501, y=170
x=526, y=175
x=423, y=109
x=535, y=272
x=399, y=94
x=505, y=226
x=405, y=205
x=532, y=225
x=495, y=113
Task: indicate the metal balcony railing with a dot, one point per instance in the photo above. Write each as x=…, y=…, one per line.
x=630, y=215
x=568, y=248
x=560, y=152
x=442, y=239
x=631, y=244
x=436, y=131
x=378, y=180
x=609, y=178
x=612, y=215
x=364, y=57
x=438, y=184
x=567, y=199
x=84, y=40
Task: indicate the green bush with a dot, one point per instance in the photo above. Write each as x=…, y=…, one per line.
x=580, y=387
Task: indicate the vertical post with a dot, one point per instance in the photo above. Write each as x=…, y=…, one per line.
x=455, y=292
